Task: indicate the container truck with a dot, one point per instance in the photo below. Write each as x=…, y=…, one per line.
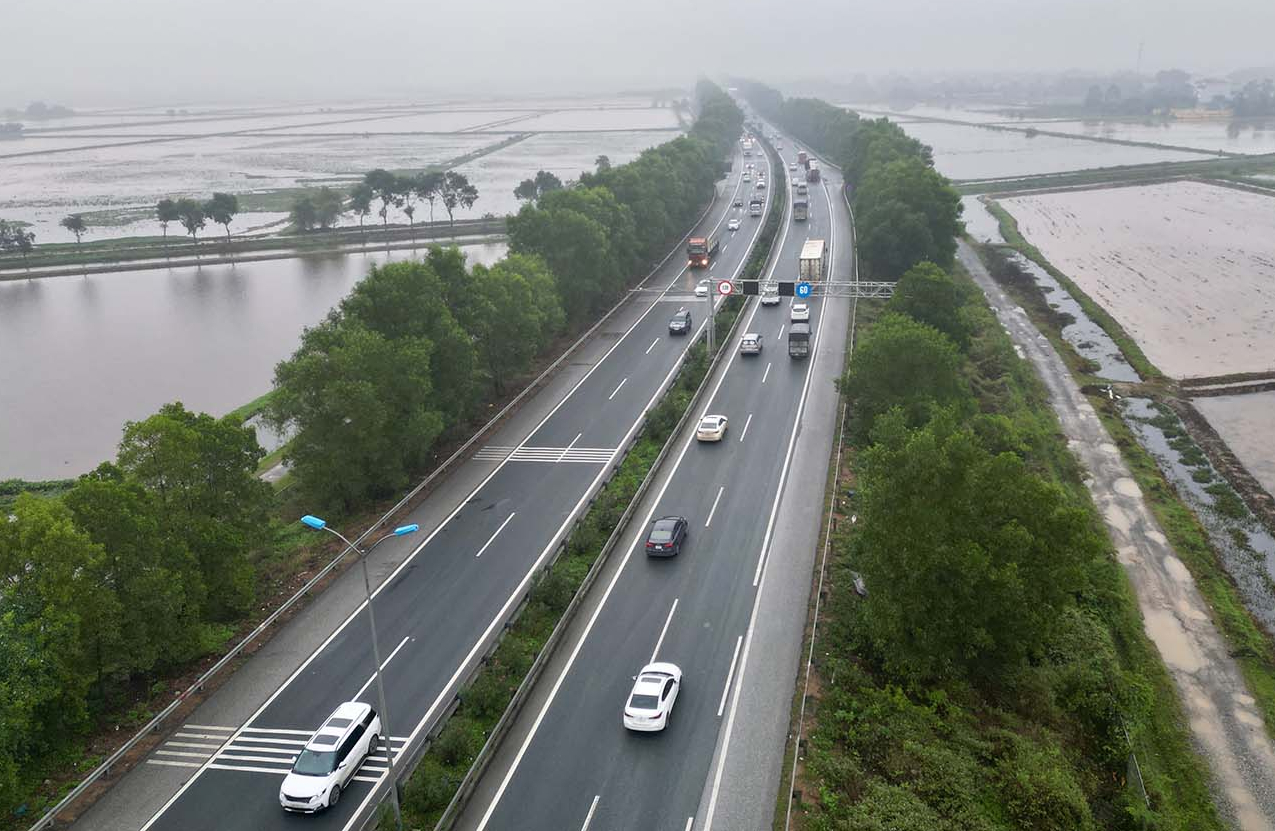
x=812, y=172
x=699, y=250
x=800, y=209
x=799, y=340
x=814, y=256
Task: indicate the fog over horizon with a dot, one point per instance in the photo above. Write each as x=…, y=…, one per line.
x=114, y=52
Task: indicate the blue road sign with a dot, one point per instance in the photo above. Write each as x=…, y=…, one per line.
x=804, y=289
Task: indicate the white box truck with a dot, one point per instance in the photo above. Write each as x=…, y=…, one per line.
x=814, y=259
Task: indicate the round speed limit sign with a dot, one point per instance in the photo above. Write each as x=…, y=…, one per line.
x=725, y=287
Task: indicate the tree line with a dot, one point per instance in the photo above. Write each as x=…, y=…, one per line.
x=143, y=565
x=417, y=348
x=905, y=211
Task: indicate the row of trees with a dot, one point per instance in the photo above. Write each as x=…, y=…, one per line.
x=193, y=214
x=416, y=348
x=15, y=238
x=322, y=208
x=597, y=235
x=137, y=569
x=413, y=350
x=905, y=211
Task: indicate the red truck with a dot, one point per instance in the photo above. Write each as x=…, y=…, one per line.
x=700, y=250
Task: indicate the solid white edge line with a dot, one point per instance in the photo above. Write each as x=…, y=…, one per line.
x=492, y=538
x=588, y=818
x=617, y=389
x=384, y=664
x=663, y=631
x=746, y=423
x=713, y=509
x=637, y=531
x=752, y=620
x=730, y=674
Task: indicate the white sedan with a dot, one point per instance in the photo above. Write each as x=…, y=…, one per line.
x=732, y=225
x=701, y=289
x=711, y=428
x=651, y=702
x=800, y=312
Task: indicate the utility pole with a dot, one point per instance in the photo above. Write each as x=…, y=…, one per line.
x=712, y=290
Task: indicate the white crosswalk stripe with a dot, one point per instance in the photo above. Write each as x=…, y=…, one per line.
x=550, y=455
x=253, y=750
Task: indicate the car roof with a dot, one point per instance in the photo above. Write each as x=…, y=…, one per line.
x=667, y=519
x=329, y=735
x=712, y=418
x=752, y=335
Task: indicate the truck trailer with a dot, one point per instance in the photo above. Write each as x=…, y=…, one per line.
x=799, y=340
x=812, y=171
x=802, y=158
x=814, y=258
x=700, y=250
x=800, y=209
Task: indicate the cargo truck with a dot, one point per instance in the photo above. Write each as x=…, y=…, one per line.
x=802, y=158
x=799, y=340
x=814, y=257
x=699, y=250
x=755, y=205
x=812, y=172
x=800, y=209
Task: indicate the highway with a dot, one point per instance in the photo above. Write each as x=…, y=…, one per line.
x=569, y=763
x=440, y=609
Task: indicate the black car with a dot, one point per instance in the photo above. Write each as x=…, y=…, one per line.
x=681, y=323
x=666, y=537
x=739, y=201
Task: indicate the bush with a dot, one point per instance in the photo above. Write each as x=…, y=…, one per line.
x=431, y=787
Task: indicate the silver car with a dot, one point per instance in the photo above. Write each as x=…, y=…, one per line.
x=750, y=344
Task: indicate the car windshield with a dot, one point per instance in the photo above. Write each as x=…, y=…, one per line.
x=644, y=702
x=708, y=423
x=312, y=763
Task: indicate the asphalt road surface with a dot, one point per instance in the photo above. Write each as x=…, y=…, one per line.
x=569, y=763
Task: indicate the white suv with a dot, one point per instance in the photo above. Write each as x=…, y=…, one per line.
x=331, y=758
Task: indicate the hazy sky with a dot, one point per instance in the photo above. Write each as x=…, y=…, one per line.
x=87, y=52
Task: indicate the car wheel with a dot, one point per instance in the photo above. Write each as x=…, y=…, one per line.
x=335, y=796
x=371, y=746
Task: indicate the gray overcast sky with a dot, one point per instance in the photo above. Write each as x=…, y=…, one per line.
x=87, y=52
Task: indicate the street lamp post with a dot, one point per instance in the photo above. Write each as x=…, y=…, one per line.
x=320, y=525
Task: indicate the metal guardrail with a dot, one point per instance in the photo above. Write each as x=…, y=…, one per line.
x=49, y=817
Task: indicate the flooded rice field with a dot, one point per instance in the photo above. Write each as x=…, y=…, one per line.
x=979, y=222
x=912, y=112
x=971, y=152
x=1247, y=549
x=86, y=354
x=1247, y=424
x=127, y=161
x=1248, y=136
x=1187, y=269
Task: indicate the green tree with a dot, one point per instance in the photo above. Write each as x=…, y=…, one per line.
x=970, y=558
x=530, y=190
x=514, y=313
x=428, y=187
x=303, y=215
x=386, y=187
x=221, y=209
x=892, y=238
x=361, y=196
x=602, y=163
x=191, y=215
x=927, y=293
x=15, y=238
x=407, y=300
x=202, y=472
x=48, y=609
x=166, y=212
x=363, y=409
x=150, y=574
x=454, y=190
x=906, y=364
x=575, y=246
x=328, y=207
x=76, y=225
x=913, y=183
